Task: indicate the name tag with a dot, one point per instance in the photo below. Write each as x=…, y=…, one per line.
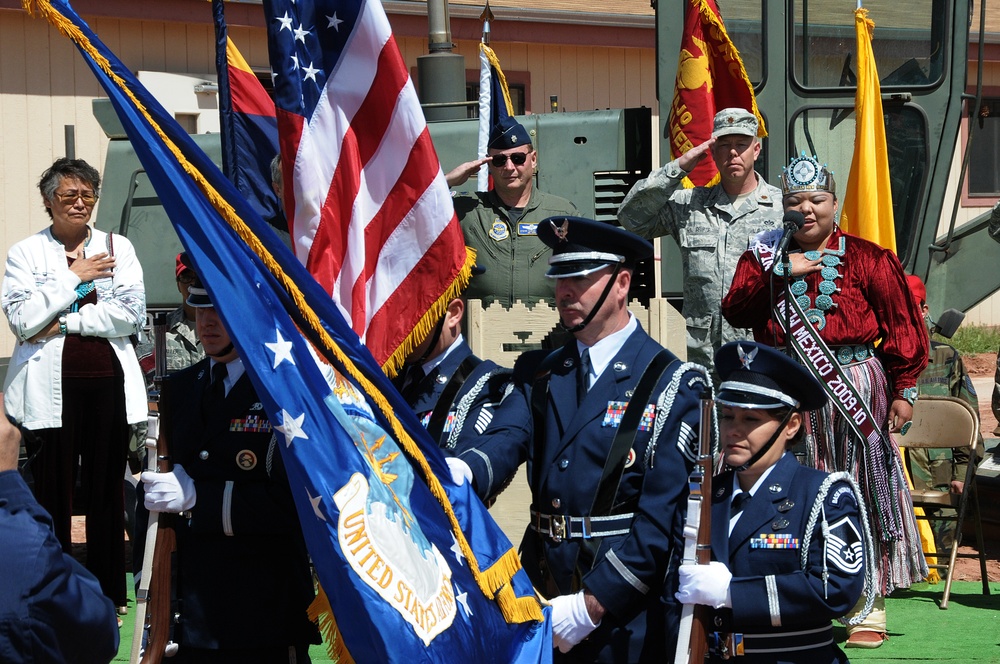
x=613, y=415
x=774, y=541
x=527, y=229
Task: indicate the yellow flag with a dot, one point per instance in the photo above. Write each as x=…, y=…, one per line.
x=867, y=205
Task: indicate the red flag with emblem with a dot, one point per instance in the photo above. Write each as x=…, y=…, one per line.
x=710, y=77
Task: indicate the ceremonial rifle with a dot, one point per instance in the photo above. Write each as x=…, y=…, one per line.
x=152, y=598
x=692, y=636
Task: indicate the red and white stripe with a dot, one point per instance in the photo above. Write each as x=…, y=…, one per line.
x=373, y=218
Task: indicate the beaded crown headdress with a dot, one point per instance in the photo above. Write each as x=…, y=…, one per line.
x=805, y=174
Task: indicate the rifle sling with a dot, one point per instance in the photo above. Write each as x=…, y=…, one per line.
x=614, y=466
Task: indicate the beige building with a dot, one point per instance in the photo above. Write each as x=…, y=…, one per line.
x=589, y=56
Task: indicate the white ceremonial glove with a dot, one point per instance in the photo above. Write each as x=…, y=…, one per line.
x=169, y=492
x=705, y=584
x=571, y=621
x=460, y=471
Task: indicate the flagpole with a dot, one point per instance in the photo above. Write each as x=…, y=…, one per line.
x=485, y=101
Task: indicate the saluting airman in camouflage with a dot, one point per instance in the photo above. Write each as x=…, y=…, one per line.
x=712, y=225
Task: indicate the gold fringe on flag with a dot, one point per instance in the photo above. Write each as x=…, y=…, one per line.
x=495, y=62
x=226, y=211
x=435, y=313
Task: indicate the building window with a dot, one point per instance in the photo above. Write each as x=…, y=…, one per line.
x=518, y=85
x=516, y=91
x=984, y=152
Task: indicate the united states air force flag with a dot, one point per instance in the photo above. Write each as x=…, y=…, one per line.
x=415, y=570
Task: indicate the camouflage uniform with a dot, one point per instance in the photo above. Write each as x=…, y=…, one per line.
x=712, y=236
x=945, y=375
x=514, y=258
x=183, y=348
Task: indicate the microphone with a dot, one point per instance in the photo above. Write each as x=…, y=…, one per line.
x=792, y=221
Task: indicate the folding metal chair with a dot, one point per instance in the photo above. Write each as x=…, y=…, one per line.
x=949, y=422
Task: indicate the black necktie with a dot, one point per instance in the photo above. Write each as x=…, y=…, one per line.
x=583, y=376
x=739, y=502
x=411, y=386
x=216, y=392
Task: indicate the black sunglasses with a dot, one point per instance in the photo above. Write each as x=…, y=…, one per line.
x=498, y=160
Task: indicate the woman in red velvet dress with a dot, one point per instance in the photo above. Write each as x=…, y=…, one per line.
x=853, y=293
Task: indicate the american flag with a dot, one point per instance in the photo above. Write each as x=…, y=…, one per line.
x=370, y=213
x=355, y=454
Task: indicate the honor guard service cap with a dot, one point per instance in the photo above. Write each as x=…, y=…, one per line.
x=758, y=376
x=581, y=246
x=734, y=121
x=508, y=133
x=198, y=296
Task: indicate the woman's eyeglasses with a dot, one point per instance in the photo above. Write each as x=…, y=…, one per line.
x=499, y=160
x=69, y=197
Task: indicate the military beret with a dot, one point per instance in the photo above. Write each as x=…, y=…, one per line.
x=758, y=376
x=182, y=264
x=508, y=133
x=581, y=246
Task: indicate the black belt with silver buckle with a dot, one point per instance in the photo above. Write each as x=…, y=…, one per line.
x=734, y=645
x=559, y=526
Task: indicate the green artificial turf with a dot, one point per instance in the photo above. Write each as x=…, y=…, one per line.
x=919, y=631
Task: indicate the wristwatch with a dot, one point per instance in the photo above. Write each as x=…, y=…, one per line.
x=910, y=394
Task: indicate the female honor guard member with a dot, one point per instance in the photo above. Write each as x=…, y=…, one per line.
x=788, y=545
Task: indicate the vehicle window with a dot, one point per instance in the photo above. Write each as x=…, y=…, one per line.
x=907, y=42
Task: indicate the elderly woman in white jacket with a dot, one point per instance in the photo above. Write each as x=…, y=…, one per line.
x=74, y=298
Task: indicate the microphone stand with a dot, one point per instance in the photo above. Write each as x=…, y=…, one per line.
x=786, y=277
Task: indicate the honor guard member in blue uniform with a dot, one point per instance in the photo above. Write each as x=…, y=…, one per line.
x=767, y=510
x=453, y=392
x=243, y=577
x=608, y=425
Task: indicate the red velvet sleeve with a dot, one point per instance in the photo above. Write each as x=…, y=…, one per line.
x=872, y=303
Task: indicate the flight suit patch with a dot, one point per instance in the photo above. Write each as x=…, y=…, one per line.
x=499, y=230
x=524, y=228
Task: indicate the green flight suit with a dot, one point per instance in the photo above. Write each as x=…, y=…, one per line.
x=514, y=258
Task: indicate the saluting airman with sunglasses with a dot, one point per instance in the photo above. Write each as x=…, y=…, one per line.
x=501, y=224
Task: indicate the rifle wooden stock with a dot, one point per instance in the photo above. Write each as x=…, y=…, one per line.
x=695, y=625
x=153, y=610
x=701, y=627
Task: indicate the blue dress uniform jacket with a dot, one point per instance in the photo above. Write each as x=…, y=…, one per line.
x=472, y=407
x=630, y=570
x=243, y=578
x=51, y=609
x=772, y=595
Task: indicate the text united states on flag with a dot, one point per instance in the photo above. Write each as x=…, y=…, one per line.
x=372, y=216
x=414, y=567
